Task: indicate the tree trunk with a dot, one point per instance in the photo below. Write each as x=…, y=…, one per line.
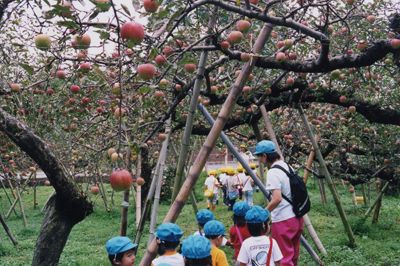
x=210, y=141
x=53, y=235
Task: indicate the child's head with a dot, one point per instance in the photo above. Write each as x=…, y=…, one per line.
x=257, y=221
x=168, y=237
x=197, y=251
x=203, y=216
x=121, y=251
x=215, y=231
x=239, y=211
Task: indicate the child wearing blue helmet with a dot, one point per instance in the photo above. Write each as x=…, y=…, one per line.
x=259, y=249
x=239, y=231
x=121, y=251
x=168, y=237
x=203, y=216
x=214, y=230
x=197, y=251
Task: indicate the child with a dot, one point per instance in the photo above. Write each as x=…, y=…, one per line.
x=121, y=251
x=232, y=187
x=222, y=180
x=212, y=184
x=197, y=251
x=259, y=249
x=239, y=232
x=168, y=238
x=215, y=231
x=203, y=216
x=247, y=185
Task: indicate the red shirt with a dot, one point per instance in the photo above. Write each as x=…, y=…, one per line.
x=235, y=239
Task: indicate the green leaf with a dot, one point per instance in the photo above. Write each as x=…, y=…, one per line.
x=144, y=90
x=104, y=35
x=27, y=68
x=68, y=24
x=125, y=8
x=94, y=14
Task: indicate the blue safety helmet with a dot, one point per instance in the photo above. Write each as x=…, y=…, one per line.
x=256, y=215
x=265, y=146
x=196, y=247
x=240, y=208
x=119, y=244
x=169, y=232
x=214, y=228
x=203, y=216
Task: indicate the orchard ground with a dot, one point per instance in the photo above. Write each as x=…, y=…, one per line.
x=377, y=244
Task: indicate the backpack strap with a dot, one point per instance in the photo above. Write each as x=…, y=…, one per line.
x=287, y=174
x=269, y=252
x=239, y=234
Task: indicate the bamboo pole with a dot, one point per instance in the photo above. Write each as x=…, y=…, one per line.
x=309, y=163
x=7, y=196
x=125, y=201
x=364, y=194
x=327, y=175
x=21, y=206
x=378, y=198
x=8, y=232
x=211, y=140
x=34, y=191
x=159, y=178
x=139, y=191
x=256, y=180
x=307, y=220
x=192, y=109
x=17, y=199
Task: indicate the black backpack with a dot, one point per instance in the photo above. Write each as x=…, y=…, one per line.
x=300, y=201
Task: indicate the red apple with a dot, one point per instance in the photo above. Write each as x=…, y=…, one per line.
x=162, y=137
x=140, y=181
x=243, y=25
x=85, y=67
x=371, y=18
x=15, y=87
x=190, y=68
x=120, y=180
x=150, y=6
x=49, y=91
x=159, y=94
x=60, y=74
x=85, y=100
x=128, y=52
x=47, y=183
x=235, y=37
x=146, y=71
x=168, y=51
x=132, y=31
x=395, y=43
x=225, y=45
x=160, y=59
x=42, y=42
x=290, y=81
x=246, y=89
x=342, y=99
x=75, y=88
x=280, y=57
x=94, y=190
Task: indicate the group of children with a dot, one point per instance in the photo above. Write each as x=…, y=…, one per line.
x=247, y=236
x=234, y=183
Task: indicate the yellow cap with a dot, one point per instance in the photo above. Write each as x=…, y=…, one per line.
x=212, y=172
x=240, y=168
x=243, y=146
x=222, y=170
x=230, y=171
x=253, y=166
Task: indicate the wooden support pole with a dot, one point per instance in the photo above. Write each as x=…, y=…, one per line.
x=8, y=232
x=328, y=178
x=211, y=140
x=378, y=198
x=21, y=206
x=35, y=204
x=7, y=196
x=270, y=130
x=185, y=144
x=309, y=163
x=139, y=191
x=159, y=179
x=125, y=201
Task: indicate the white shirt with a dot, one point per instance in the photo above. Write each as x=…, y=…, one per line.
x=246, y=181
x=232, y=182
x=173, y=260
x=212, y=184
x=223, y=178
x=254, y=251
x=277, y=179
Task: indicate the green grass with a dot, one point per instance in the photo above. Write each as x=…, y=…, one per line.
x=377, y=244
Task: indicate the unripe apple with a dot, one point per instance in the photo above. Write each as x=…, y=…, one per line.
x=361, y=45
x=162, y=137
x=132, y=31
x=116, y=89
x=289, y=43
x=60, y=74
x=140, y=181
x=159, y=94
x=15, y=87
x=42, y=42
x=83, y=42
x=371, y=18
x=94, y=190
x=352, y=109
x=110, y=151
x=103, y=5
x=335, y=74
